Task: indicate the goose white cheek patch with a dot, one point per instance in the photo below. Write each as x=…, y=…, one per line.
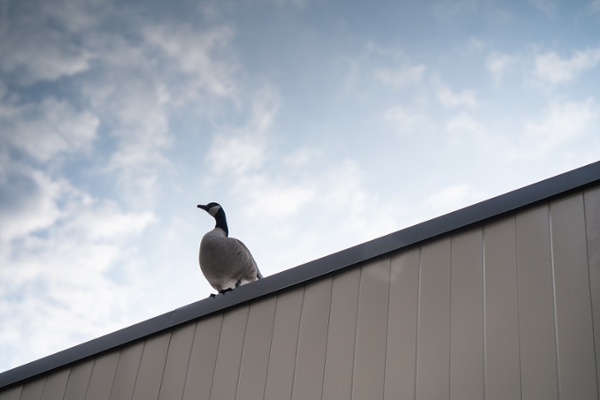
x=214, y=210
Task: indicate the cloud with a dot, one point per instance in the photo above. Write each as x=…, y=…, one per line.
x=559, y=124
x=28, y=199
x=201, y=55
x=499, y=65
x=243, y=149
x=401, y=77
x=450, y=99
x=547, y=7
x=454, y=197
x=47, y=129
x=35, y=50
x=404, y=118
x=463, y=122
x=554, y=69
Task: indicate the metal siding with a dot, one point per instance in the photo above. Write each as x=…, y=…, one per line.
x=103, y=376
x=502, y=357
x=466, y=316
x=79, y=380
x=14, y=393
x=339, y=359
x=229, y=355
x=592, y=226
x=577, y=375
x=371, y=330
x=33, y=390
x=56, y=384
x=126, y=373
x=202, y=358
x=536, y=306
x=433, y=338
x=312, y=341
x=257, y=344
x=178, y=358
x=282, y=358
x=401, y=352
x=151, y=368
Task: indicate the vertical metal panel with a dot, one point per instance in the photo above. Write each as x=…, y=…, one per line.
x=592, y=225
x=127, y=370
x=257, y=343
x=536, y=306
x=433, y=338
x=79, y=380
x=229, y=355
x=202, y=360
x=466, y=316
x=339, y=360
x=577, y=374
x=371, y=330
x=178, y=358
x=152, y=367
x=33, y=390
x=102, y=377
x=502, y=358
x=56, y=383
x=312, y=341
x=402, y=326
x=282, y=358
x=13, y=393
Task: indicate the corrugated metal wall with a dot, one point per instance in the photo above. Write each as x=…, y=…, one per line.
x=509, y=310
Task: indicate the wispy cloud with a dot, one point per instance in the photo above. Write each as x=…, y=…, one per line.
x=551, y=68
x=451, y=99
x=548, y=7
x=453, y=197
x=400, y=78
x=559, y=124
x=499, y=65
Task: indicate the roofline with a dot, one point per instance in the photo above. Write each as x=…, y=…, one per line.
x=493, y=208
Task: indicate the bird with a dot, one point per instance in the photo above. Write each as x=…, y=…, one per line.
x=225, y=262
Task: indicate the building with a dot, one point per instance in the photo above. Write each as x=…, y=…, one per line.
x=500, y=300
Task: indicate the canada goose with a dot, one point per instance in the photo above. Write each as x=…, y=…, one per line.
x=225, y=262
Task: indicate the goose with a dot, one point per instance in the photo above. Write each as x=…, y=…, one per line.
x=225, y=261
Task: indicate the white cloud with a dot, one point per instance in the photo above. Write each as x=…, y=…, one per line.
x=548, y=7
x=29, y=200
x=554, y=69
x=454, y=197
x=594, y=7
x=559, y=124
x=243, y=149
x=194, y=53
x=35, y=51
x=404, y=118
x=450, y=99
x=463, y=122
x=400, y=78
x=48, y=129
x=499, y=65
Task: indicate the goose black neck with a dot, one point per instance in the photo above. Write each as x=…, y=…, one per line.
x=222, y=221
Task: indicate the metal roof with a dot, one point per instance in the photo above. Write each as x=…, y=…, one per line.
x=485, y=211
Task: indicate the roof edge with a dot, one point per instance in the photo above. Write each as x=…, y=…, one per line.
x=495, y=207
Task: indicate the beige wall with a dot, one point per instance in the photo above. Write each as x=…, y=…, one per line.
x=500, y=311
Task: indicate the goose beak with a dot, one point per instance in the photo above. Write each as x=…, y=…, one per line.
x=205, y=208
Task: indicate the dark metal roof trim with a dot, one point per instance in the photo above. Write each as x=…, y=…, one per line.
x=486, y=210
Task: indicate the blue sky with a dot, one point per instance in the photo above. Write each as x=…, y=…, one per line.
x=317, y=125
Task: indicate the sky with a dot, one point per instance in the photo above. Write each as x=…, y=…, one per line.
x=317, y=124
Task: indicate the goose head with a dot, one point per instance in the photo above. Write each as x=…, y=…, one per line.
x=212, y=208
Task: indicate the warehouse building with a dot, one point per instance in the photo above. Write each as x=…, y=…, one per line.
x=499, y=300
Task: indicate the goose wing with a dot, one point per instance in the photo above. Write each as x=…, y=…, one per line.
x=245, y=260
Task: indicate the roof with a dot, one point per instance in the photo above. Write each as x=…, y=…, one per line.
x=485, y=211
